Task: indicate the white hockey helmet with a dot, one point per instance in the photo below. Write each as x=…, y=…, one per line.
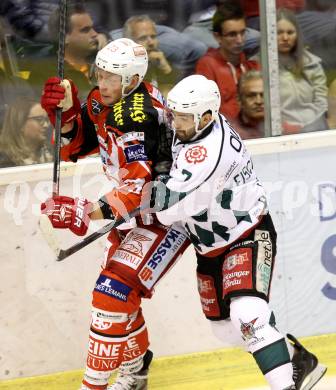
x=195, y=95
x=123, y=57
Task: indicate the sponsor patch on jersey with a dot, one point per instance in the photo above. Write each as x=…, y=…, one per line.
x=264, y=260
x=134, y=247
x=196, y=154
x=112, y=288
x=135, y=153
x=137, y=113
x=208, y=296
x=230, y=170
x=110, y=316
x=164, y=253
x=235, y=259
x=131, y=136
x=237, y=270
x=96, y=107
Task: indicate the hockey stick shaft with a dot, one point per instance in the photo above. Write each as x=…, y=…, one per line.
x=61, y=254
x=64, y=253
x=58, y=120
x=11, y=66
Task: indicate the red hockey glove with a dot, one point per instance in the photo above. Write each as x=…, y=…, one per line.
x=60, y=94
x=68, y=213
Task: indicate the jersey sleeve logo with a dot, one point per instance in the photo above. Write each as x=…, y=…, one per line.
x=96, y=107
x=196, y=154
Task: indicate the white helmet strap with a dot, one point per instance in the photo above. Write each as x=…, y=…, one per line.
x=197, y=119
x=126, y=82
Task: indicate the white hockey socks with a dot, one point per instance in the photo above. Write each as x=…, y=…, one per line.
x=255, y=322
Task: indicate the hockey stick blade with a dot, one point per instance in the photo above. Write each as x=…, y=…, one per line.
x=64, y=253
x=48, y=233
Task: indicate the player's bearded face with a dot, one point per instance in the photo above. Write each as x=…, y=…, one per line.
x=183, y=125
x=109, y=86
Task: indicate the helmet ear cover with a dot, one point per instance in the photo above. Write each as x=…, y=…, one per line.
x=126, y=58
x=195, y=95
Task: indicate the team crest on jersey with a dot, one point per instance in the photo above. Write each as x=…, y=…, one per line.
x=196, y=154
x=248, y=330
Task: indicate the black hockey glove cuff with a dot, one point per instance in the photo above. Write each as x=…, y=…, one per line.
x=105, y=208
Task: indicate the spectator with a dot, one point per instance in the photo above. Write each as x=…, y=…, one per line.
x=319, y=30
x=316, y=19
x=81, y=45
x=10, y=88
x=250, y=122
x=201, y=29
x=181, y=51
x=303, y=89
x=160, y=73
x=251, y=9
x=11, y=85
x=332, y=105
x=226, y=64
x=28, y=18
x=24, y=134
x=293, y=5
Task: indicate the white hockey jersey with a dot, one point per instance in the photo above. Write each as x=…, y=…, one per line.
x=213, y=189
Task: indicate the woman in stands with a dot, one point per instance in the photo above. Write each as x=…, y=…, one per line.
x=303, y=89
x=25, y=133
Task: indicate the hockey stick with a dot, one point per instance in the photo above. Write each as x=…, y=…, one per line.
x=9, y=59
x=60, y=74
x=61, y=254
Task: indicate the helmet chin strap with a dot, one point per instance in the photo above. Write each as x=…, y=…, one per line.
x=126, y=84
x=200, y=131
x=123, y=94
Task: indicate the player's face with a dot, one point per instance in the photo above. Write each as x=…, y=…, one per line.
x=82, y=39
x=252, y=99
x=232, y=38
x=183, y=125
x=36, y=127
x=109, y=86
x=287, y=36
x=145, y=34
